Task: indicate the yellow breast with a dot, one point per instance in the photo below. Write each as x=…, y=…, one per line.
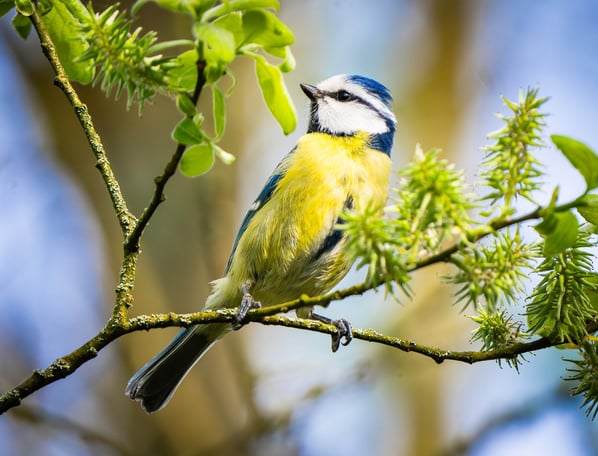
x=277, y=252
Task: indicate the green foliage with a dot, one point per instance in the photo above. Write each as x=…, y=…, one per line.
x=560, y=303
x=105, y=48
x=198, y=159
x=431, y=203
x=588, y=208
x=123, y=57
x=494, y=265
x=581, y=157
x=373, y=243
x=509, y=168
x=497, y=330
x=494, y=272
x=585, y=373
x=61, y=20
x=559, y=230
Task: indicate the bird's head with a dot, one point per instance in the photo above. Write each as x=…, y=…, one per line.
x=346, y=104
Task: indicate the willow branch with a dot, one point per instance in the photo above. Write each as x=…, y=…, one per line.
x=68, y=364
x=125, y=217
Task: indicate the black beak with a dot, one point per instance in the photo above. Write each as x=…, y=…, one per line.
x=311, y=91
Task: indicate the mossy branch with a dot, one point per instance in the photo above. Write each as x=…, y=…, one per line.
x=68, y=364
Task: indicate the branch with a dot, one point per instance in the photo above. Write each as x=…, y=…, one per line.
x=494, y=225
x=125, y=217
x=68, y=364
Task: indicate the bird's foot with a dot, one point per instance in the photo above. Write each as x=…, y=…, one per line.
x=247, y=303
x=343, y=330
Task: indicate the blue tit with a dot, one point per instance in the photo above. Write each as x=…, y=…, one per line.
x=289, y=243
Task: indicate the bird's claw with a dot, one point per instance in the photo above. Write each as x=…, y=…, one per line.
x=247, y=303
x=343, y=331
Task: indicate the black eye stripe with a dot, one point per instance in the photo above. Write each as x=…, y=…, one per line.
x=355, y=98
x=343, y=96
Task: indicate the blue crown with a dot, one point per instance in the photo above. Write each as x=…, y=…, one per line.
x=372, y=86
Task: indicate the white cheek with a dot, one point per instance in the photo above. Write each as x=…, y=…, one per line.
x=346, y=118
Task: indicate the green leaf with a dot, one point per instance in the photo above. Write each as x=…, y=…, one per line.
x=185, y=105
x=219, y=111
x=559, y=230
x=275, y=94
x=238, y=5
x=589, y=208
x=581, y=157
x=197, y=160
x=265, y=29
x=182, y=77
x=289, y=60
x=234, y=24
x=6, y=6
x=22, y=25
x=187, y=132
x=218, y=43
x=24, y=7
x=177, y=6
x=64, y=29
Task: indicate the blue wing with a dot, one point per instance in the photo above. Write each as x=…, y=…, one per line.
x=260, y=201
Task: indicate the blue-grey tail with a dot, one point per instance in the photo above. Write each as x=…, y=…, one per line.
x=154, y=384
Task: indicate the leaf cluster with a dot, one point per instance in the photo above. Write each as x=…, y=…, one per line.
x=494, y=266
x=124, y=59
x=105, y=48
x=509, y=168
x=430, y=206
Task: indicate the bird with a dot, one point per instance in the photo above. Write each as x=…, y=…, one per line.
x=290, y=243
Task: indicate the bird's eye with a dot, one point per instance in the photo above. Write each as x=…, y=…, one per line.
x=343, y=95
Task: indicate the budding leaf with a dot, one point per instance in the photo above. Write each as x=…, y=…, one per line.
x=187, y=132
x=559, y=230
x=219, y=107
x=197, y=160
x=219, y=43
x=24, y=7
x=581, y=157
x=264, y=28
x=275, y=94
x=183, y=74
x=185, y=105
x=589, y=209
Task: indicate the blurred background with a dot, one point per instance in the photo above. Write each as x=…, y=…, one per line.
x=267, y=390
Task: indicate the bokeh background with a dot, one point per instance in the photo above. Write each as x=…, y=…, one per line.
x=266, y=390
